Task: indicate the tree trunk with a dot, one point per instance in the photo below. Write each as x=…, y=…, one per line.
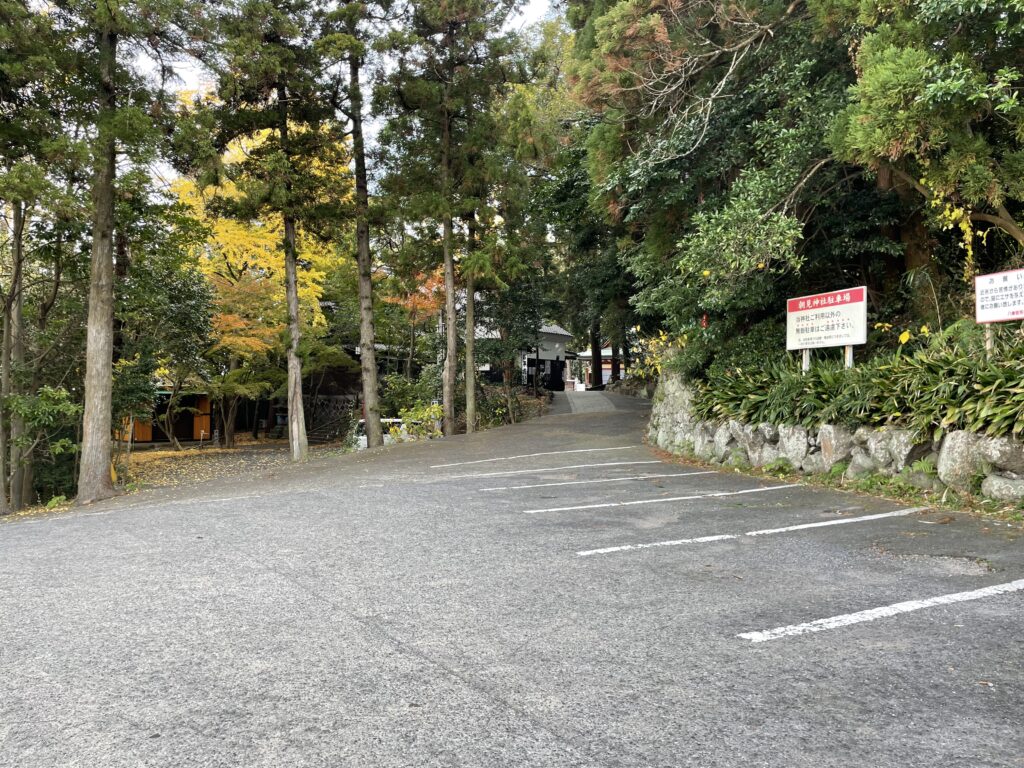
x=17, y=363
x=230, y=417
x=506, y=376
x=229, y=408
x=42, y=321
x=1003, y=220
x=470, y=357
x=367, y=334
x=28, y=491
x=256, y=420
x=536, y=372
x=917, y=258
x=616, y=370
x=168, y=418
x=412, y=349
x=15, y=358
x=296, y=417
x=917, y=247
x=596, y=374
x=627, y=359
x=94, y=477
x=5, y=390
x=451, y=336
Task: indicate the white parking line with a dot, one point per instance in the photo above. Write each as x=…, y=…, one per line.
x=530, y=455
x=602, y=480
x=656, y=501
x=550, y=469
x=846, y=619
x=764, y=532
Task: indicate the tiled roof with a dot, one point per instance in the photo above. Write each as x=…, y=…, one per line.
x=555, y=330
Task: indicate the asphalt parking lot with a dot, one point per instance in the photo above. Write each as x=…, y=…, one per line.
x=549, y=594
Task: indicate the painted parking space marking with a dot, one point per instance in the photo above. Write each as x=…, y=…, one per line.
x=601, y=480
x=886, y=611
x=635, y=502
x=550, y=469
x=763, y=532
x=531, y=455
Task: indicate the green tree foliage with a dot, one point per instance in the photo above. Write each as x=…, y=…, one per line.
x=104, y=43
x=452, y=61
x=80, y=108
x=724, y=162
x=681, y=166
x=937, y=99
x=273, y=93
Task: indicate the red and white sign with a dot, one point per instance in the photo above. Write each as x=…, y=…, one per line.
x=835, y=319
x=999, y=297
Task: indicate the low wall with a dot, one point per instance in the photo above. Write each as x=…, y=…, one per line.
x=642, y=388
x=965, y=462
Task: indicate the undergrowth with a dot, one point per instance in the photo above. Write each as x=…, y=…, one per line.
x=949, y=384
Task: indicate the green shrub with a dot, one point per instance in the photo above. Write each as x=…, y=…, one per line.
x=746, y=350
x=422, y=421
x=925, y=466
x=837, y=471
x=492, y=406
x=945, y=386
x=398, y=392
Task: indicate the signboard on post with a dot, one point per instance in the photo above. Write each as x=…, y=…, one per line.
x=834, y=319
x=999, y=297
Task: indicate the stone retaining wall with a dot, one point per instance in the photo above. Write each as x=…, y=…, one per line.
x=641, y=388
x=958, y=461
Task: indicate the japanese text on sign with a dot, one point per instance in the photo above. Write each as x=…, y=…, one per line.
x=999, y=297
x=835, y=319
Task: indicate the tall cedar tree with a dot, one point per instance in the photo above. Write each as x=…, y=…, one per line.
x=353, y=28
x=452, y=59
x=102, y=44
x=271, y=86
x=26, y=71
x=41, y=191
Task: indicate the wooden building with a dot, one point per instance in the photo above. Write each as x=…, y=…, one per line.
x=193, y=422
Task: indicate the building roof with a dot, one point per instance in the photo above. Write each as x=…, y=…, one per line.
x=606, y=354
x=555, y=330
x=551, y=330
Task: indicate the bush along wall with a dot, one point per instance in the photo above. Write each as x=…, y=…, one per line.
x=920, y=452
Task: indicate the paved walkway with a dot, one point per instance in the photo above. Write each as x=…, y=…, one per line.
x=590, y=402
x=549, y=594
x=586, y=402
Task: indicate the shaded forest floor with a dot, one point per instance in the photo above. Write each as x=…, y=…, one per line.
x=169, y=468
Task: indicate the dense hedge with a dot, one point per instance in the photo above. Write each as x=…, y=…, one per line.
x=941, y=387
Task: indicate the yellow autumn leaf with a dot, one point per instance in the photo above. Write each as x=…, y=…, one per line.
x=244, y=263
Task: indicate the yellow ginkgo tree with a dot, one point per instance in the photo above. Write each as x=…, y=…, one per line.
x=244, y=262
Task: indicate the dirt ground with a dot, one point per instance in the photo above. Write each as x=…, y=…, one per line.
x=164, y=468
